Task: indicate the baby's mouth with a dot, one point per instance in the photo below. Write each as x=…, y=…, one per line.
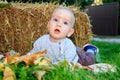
x=57, y=31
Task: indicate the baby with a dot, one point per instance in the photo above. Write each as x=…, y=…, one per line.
x=59, y=47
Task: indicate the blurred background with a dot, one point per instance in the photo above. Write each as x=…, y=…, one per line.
x=104, y=14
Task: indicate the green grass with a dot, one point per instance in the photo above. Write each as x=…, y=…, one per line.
x=109, y=53
x=4, y=5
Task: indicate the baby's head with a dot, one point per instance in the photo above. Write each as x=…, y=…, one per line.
x=66, y=11
x=61, y=23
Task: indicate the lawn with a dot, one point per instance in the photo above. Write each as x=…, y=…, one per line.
x=109, y=53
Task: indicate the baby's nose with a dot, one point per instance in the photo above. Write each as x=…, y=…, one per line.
x=59, y=24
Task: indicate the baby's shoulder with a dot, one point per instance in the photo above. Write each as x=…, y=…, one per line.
x=67, y=41
x=43, y=38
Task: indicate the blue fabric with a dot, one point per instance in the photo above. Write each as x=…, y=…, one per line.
x=90, y=47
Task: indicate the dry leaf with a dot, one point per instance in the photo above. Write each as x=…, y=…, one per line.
x=42, y=61
x=1, y=67
x=8, y=74
x=30, y=59
x=39, y=74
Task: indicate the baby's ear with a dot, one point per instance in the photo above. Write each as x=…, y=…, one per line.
x=70, y=32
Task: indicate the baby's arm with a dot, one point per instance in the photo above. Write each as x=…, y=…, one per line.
x=70, y=53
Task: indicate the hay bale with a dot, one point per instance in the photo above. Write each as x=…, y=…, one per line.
x=21, y=24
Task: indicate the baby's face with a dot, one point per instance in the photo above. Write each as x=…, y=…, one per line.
x=60, y=24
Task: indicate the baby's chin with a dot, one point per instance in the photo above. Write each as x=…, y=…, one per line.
x=56, y=38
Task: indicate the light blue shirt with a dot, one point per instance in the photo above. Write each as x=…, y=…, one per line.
x=56, y=52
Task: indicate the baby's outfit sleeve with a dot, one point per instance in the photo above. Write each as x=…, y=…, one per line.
x=70, y=53
x=36, y=47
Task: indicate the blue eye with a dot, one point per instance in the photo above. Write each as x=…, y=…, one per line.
x=65, y=23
